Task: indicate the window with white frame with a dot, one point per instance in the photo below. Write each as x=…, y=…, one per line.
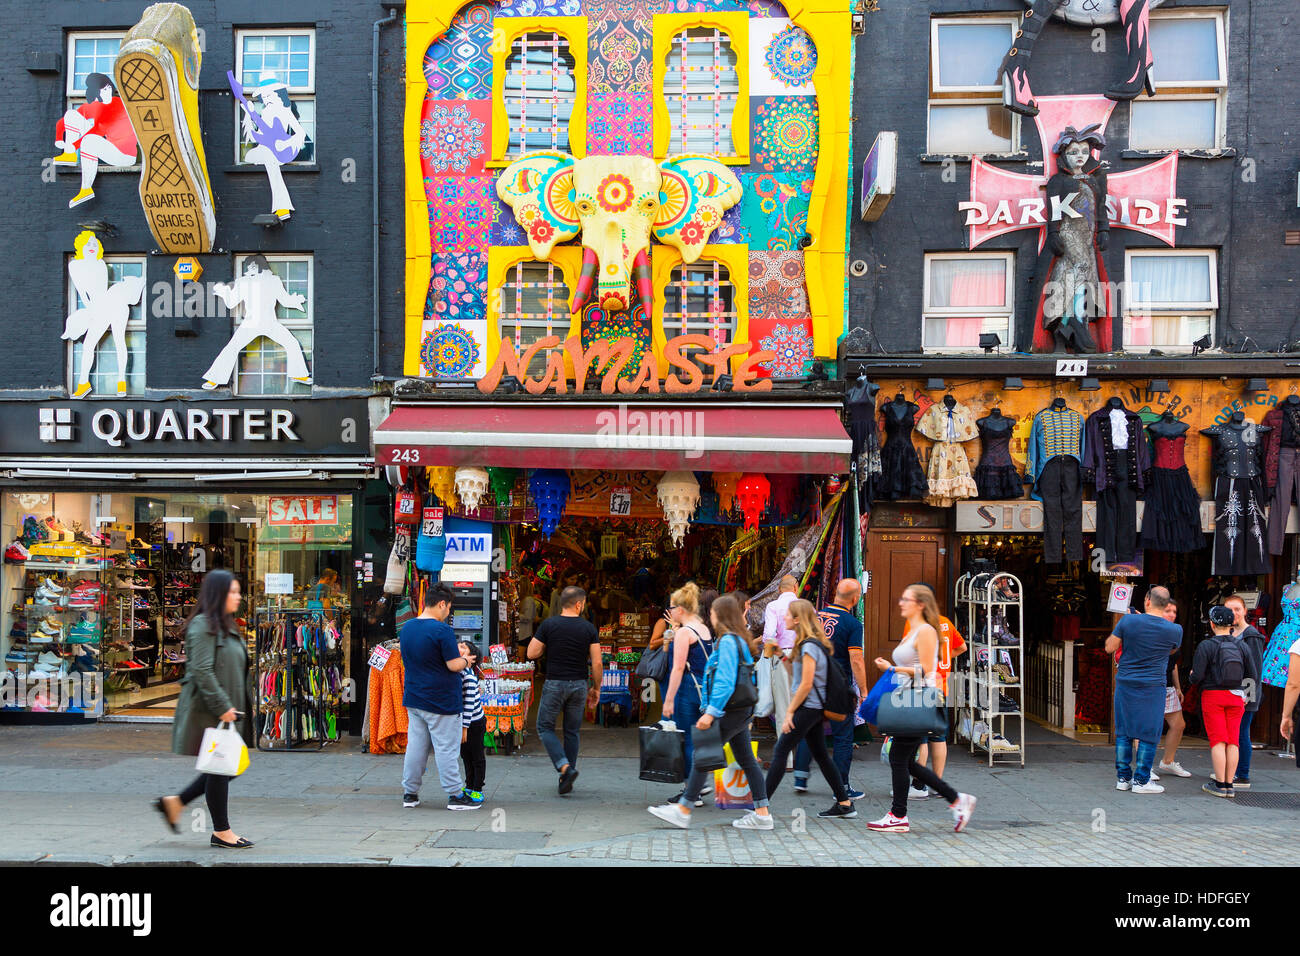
x=116, y=359
x=1171, y=297
x=699, y=299
x=966, y=115
x=539, y=92
x=534, y=304
x=262, y=368
x=701, y=86
x=286, y=57
x=1191, y=79
x=966, y=295
x=89, y=53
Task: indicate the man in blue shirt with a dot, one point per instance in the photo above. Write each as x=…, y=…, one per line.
x=845, y=633
x=433, y=700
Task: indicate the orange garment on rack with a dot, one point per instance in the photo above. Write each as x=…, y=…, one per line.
x=388, y=718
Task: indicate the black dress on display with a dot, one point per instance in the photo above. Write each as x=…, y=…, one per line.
x=901, y=475
x=996, y=475
x=1240, y=535
x=861, y=404
x=1171, y=520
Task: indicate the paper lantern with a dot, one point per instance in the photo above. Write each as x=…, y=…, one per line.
x=442, y=482
x=471, y=486
x=679, y=493
x=502, y=481
x=550, y=490
x=724, y=483
x=785, y=494
x=833, y=484
x=752, y=491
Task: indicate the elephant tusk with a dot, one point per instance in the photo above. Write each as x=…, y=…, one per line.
x=644, y=286
x=586, y=279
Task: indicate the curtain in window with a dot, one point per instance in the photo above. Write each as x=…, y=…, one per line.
x=977, y=284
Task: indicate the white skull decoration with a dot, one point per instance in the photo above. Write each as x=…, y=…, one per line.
x=679, y=493
x=471, y=486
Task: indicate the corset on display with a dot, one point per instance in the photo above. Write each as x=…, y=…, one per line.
x=1169, y=452
x=996, y=474
x=1235, y=450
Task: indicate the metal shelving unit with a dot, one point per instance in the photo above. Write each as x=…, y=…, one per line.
x=988, y=599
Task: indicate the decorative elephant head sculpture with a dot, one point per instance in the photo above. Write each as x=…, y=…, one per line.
x=616, y=202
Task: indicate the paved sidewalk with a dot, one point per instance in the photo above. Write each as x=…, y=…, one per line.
x=82, y=794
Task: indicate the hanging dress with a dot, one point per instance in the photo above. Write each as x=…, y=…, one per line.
x=1172, y=518
x=1277, y=660
x=996, y=476
x=900, y=468
x=1240, y=535
x=950, y=477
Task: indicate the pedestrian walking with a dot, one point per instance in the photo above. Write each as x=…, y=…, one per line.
x=723, y=673
x=951, y=645
x=1225, y=669
x=214, y=690
x=844, y=631
x=1174, y=720
x=803, y=716
x=1144, y=643
x=1254, y=643
x=916, y=663
x=1291, y=696
x=434, y=701
x=570, y=642
x=778, y=642
x=473, y=726
x=692, y=644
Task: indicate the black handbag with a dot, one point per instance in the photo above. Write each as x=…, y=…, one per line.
x=663, y=755
x=654, y=664
x=745, y=696
x=707, y=748
x=914, y=710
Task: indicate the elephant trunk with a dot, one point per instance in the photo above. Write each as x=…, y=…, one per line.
x=586, y=279
x=644, y=287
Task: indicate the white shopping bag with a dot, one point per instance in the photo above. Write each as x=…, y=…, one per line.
x=222, y=752
x=764, y=673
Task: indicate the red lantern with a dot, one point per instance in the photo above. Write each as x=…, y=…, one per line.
x=407, y=509
x=785, y=494
x=752, y=493
x=833, y=484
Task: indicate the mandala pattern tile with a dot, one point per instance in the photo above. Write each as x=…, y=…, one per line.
x=619, y=57
x=792, y=343
x=785, y=133
x=458, y=65
x=461, y=210
x=453, y=136
x=776, y=287
x=452, y=350
x=782, y=58
x=626, y=10
x=775, y=209
x=538, y=8
x=618, y=124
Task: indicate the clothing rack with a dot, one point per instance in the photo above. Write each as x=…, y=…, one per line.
x=298, y=679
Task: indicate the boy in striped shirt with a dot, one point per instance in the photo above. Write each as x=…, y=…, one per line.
x=473, y=725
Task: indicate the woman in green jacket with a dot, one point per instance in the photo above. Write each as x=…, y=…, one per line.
x=214, y=689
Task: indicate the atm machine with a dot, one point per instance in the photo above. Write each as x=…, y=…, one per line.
x=471, y=607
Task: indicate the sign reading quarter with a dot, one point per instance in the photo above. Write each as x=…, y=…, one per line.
x=187, y=269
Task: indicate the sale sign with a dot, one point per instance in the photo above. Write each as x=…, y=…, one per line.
x=303, y=510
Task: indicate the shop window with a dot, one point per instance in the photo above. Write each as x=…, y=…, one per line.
x=114, y=360
x=1191, y=78
x=262, y=364
x=287, y=57
x=967, y=294
x=89, y=53
x=1172, y=298
x=700, y=299
x=701, y=87
x=966, y=115
x=539, y=87
x=535, y=304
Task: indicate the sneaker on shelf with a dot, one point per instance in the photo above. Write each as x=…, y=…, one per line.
x=753, y=821
x=40, y=637
x=131, y=582
x=33, y=531
x=1173, y=767
x=50, y=659
x=672, y=813
x=961, y=811
x=44, y=598
x=16, y=656
x=1000, y=745
x=1148, y=787
x=85, y=595
x=462, y=802
x=57, y=531
x=839, y=811
x=889, y=824
x=84, y=632
x=16, y=552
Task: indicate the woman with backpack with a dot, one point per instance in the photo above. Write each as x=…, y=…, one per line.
x=803, y=720
x=1225, y=670
x=729, y=694
x=691, y=646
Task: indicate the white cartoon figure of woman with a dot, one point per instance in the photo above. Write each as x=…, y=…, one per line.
x=258, y=291
x=104, y=308
x=97, y=130
x=276, y=131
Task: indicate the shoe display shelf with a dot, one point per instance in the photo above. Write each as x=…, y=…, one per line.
x=180, y=595
x=991, y=712
x=57, y=623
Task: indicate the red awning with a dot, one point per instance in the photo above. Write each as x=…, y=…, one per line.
x=772, y=438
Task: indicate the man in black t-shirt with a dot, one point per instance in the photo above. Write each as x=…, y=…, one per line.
x=569, y=642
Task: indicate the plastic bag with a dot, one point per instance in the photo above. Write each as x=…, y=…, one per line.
x=663, y=753
x=730, y=785
x=223, y=752
x=869, y=707
x=763, y=671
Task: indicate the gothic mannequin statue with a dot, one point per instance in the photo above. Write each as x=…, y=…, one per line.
x=1073, y=297
x=1134, y=17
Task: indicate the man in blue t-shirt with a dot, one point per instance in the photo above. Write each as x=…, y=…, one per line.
x=1145, y=642
x=845, y=633
x=433, y=699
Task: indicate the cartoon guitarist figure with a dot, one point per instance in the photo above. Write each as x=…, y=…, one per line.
x=276, y=131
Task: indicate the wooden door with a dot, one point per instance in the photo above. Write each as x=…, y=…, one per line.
x=896, y=559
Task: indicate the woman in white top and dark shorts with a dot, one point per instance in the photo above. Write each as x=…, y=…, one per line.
x=917, y=659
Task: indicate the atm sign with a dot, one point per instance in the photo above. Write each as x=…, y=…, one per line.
x=303, y=510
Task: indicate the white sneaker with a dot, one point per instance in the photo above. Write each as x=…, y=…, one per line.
x=672, y=813
x=707, y=788
x=890, y=824
x=961, y=811
x=914, y=794
x=1175, y=768
x=1123, y=785
x=751, y=821
x=1155, y=777
x=1148, y=788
